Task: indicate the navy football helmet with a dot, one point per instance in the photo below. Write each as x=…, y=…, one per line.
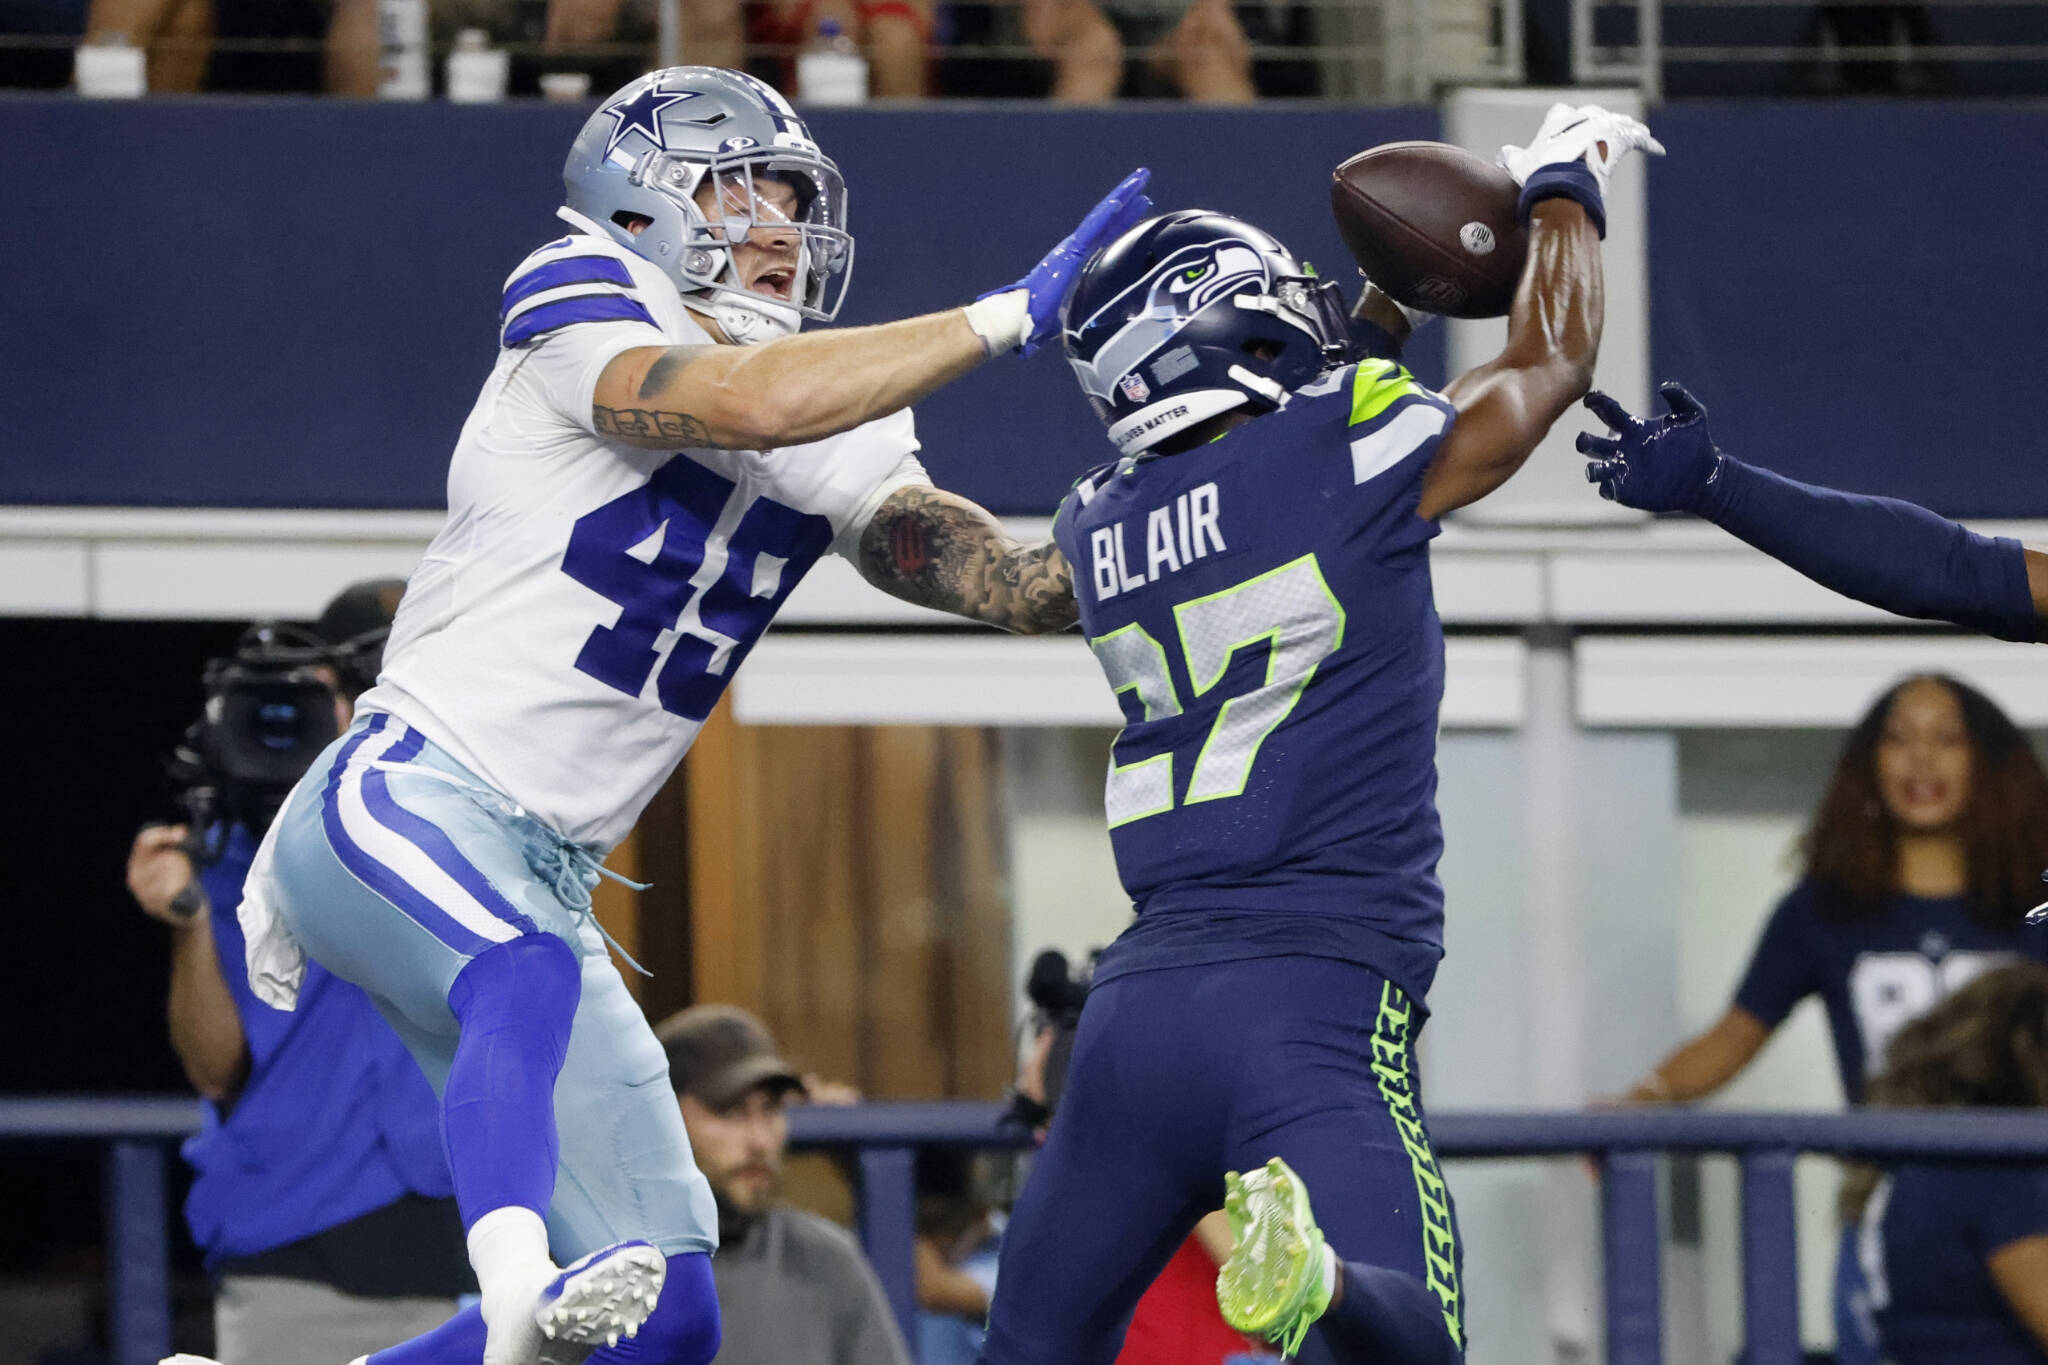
x=650, y=147
x=1193, y=314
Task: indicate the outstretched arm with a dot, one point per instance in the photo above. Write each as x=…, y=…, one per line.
x=1506, y=405
x=1891, y=554
x=805, y=388
x=1704, y=1064
x=937, y=549
x=802, y=388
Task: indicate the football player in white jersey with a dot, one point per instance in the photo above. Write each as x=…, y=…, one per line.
x=655, y=461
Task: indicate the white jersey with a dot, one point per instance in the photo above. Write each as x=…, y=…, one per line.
x=586, y=603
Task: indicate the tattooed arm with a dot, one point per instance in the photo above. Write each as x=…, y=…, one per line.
x=937, y=549
x=800, y=388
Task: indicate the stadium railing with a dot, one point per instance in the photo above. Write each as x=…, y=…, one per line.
x=1625, y=1143
x=1996, y=47
x=1364, y=50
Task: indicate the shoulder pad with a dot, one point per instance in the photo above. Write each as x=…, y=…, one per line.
x=1088, y=485
x=1377, y=385
x=574, y=280
x=1085, y=488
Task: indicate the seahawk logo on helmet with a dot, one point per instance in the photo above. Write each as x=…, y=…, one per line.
x=650, y=148
x=1190, y=315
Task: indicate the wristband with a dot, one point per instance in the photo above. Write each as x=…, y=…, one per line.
x=1002, y=321
x=1564, y=180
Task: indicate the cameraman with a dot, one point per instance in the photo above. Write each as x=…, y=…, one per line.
x=321, y=1197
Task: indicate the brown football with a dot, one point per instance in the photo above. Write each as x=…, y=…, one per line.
x=1432, y=225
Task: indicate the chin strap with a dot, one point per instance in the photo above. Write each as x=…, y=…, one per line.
x=743, y=324
x=1269, y=389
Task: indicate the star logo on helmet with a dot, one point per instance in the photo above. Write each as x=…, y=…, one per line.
x=642, y=114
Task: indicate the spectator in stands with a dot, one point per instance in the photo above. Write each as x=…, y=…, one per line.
x=177, y=35
x=1955, y=1255
x=1198, y=49
x=793, y=1288
x=1920, y=866
x=249, y=45
x=894, y=35
x=958, y=1235
x=320, y=1197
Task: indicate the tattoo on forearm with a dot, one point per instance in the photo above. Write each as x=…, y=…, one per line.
x=647, y=424
x=937, y=550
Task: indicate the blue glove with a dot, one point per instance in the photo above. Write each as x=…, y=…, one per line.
x=1047, y=284
x=1667, y=464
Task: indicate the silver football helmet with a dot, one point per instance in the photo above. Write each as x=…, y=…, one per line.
x=649, y=150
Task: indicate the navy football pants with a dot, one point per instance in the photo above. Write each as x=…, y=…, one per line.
x=1184, y=1073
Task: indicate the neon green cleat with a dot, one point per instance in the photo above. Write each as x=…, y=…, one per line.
x=1272, y=1285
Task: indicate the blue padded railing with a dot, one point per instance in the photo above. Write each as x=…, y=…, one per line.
x=1626, y=1143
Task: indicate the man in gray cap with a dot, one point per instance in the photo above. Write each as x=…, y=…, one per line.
x=793, y=1288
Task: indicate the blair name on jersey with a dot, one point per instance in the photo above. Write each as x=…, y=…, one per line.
x=1176, y=535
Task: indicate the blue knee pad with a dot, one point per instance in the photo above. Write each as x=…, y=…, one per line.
x=682, y=1329
x=515, y=1003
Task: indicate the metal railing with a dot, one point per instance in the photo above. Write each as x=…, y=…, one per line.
x=138, y=1133
x=1626, y=1144
x=1363, y=50
x=1636, y=42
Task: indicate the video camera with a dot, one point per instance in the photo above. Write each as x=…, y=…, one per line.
x=270, y=710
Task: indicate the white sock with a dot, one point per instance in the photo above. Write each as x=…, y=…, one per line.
x=508, y=1249
x=1329, y=1273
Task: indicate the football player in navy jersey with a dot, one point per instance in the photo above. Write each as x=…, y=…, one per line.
x=1955, y=1254
x=1252, y=573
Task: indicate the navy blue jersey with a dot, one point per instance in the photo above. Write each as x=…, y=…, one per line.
x=1926, y=1236
x=1875, y=974
x=1262, y=607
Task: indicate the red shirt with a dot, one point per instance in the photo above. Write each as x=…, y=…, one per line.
x=1178, y=1323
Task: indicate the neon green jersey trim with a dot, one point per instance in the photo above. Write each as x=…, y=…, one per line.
x=1375, y=387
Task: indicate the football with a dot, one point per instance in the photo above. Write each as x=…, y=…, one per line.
x=1432, y=225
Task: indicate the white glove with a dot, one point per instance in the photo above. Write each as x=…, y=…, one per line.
x=1589, y=132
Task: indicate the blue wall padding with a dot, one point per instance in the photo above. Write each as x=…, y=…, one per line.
x=292, y=303
x=1858, y=291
